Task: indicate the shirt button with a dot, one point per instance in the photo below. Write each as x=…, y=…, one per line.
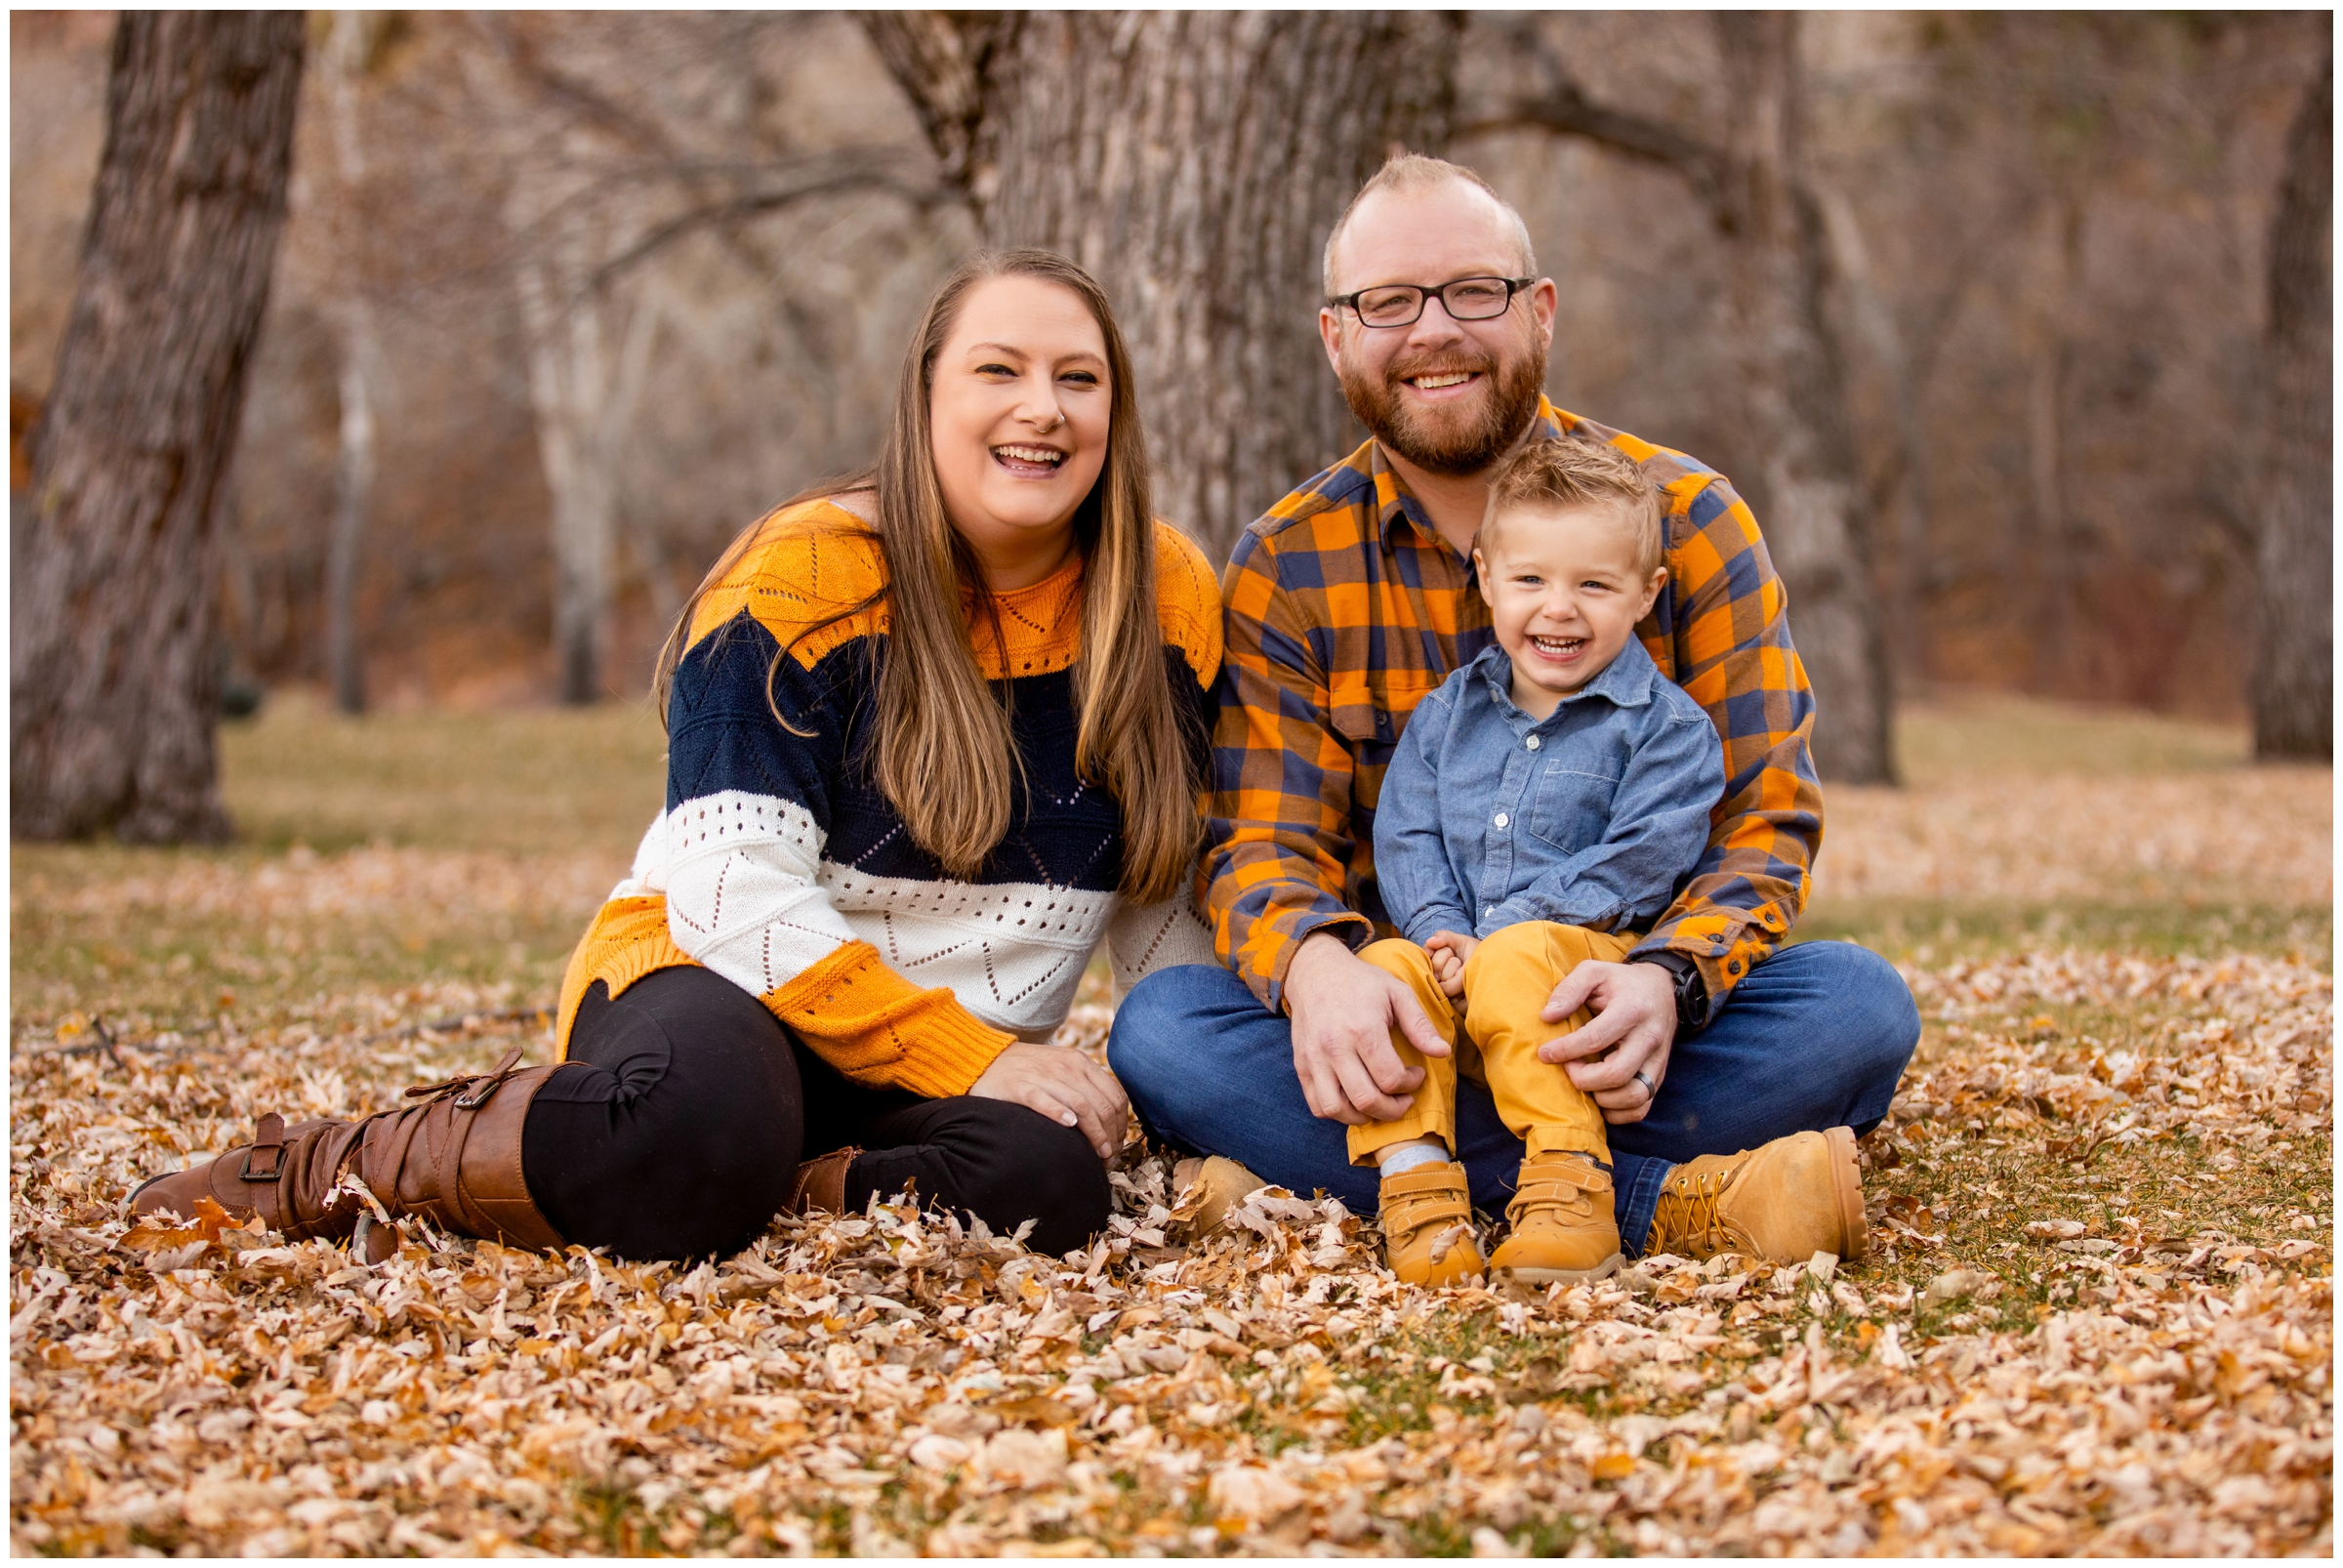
x=1502, y=819
x=1532, y=743
x=1488, y=910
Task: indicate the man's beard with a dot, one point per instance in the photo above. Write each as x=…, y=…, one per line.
x=1435, y=441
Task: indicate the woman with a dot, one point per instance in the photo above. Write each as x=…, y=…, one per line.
x=930, y=737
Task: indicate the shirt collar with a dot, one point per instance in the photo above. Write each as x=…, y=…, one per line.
x=1625, y=682
x=1396, y=505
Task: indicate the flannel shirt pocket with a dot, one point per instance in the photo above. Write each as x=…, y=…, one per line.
x=1372, y=706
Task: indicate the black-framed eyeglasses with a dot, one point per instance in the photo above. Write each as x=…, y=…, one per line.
x=1464, y=299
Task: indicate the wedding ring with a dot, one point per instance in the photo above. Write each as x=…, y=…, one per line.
x=1649, y=1088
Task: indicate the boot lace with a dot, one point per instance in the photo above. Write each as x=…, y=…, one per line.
x=1686, y=1214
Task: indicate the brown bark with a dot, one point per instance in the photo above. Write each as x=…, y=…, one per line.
x=1792, y=392
x=348, y=44
x=1193, y=162
x=1792, y=379
x=2056, y=568
x=113, y=676
x=2293, y=671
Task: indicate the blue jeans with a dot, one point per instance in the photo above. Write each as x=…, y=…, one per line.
x=1815, y=1038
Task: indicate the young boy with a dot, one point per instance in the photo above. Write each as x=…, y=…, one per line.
x=1550, y=795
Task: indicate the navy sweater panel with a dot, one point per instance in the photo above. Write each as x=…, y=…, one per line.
x=1064, y=831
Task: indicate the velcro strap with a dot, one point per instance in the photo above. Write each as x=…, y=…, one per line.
x=268, y=1144
x=1414, y=1211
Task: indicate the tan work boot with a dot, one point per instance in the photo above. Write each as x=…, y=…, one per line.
x=453, y=1156
x=1427, y=1226
x=1564, y=1227
x=1783, y=1201
x=1214, y=1186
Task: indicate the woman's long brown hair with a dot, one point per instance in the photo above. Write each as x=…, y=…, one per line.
x=943, y=752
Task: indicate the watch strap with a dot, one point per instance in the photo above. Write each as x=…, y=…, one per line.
x=1691, y=991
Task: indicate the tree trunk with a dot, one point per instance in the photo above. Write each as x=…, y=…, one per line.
x=2293, y=671
x=348, y=46
x=353, y=499
x=583, y=395
x=2052, y=558
x=113, y=664
x=1793, y=388
x=1895, y=485
x=1193, y=162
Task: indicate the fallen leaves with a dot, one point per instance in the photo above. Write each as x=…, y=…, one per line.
x=893, y=1382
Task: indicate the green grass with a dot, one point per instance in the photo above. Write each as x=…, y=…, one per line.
x=1943, y=933
x=521, y=782
x=541, y=786
x=1956, y=736
x=542, y=790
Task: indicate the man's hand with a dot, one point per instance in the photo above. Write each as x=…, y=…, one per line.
x=1343, y=1013
x=1634, y=1011
x=1449, y=951
x=1063, y=1085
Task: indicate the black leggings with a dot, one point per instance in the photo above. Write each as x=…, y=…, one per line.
x=677, y=1123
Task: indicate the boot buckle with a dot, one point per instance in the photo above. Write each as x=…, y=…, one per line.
x=475, y=1093
x=270, y=1140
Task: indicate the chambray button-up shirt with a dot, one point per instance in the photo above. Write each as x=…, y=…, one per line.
x=1593, y=816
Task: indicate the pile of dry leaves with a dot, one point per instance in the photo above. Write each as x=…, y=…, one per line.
x=898, y=1382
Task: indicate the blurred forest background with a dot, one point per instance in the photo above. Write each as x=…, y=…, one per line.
x=567, y=300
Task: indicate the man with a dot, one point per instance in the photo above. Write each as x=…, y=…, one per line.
x=1717, y=1054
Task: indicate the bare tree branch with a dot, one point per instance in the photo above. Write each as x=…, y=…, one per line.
x=942, y=60
x=855, y=170
x=1563, y=107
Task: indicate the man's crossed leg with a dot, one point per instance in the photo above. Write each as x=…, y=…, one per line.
x=1817, y=1037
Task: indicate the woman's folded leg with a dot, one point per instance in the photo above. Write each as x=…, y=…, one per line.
x=676, y=1125
x=1000, y=1161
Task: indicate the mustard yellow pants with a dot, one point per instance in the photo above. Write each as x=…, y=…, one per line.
x=1495, y=1033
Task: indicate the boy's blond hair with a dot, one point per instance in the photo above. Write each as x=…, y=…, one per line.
x=1569, y=472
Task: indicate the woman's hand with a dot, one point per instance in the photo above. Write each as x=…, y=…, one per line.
x=1063, y=1085
x=1448, y=952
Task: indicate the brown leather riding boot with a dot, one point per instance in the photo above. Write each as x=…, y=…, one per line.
x=453, y=1157
x=286, y=1176
x=821, y=1185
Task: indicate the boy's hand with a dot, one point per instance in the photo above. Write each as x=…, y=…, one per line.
x=1448, y=952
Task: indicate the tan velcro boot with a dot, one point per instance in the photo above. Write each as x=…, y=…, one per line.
x=454, y=1157
x=1784, y=1202
x=1427, y=1226
x=1565, y=1228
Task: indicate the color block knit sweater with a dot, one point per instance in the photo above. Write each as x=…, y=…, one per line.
x=779, y=864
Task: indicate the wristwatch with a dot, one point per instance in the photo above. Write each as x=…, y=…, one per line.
x=1692, y=992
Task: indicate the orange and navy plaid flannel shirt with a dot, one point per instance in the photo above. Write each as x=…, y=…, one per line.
x=1345, y=607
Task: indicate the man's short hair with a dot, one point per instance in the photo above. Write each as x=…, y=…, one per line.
x=1413, y=171
x=1570, y=473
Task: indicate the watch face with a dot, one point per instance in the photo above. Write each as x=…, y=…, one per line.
x=1692, y=998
